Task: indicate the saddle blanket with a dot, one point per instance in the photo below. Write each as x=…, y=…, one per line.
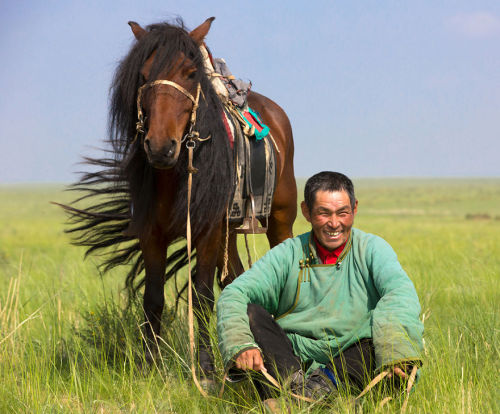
x=255, y=172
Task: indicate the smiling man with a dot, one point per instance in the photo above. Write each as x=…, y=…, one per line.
x=324, y=310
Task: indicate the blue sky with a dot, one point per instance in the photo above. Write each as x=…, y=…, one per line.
x=372, y=88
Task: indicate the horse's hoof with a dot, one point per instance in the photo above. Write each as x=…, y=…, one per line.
x=209, y=385
x=207, y=368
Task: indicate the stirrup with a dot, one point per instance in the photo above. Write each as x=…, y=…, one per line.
x=250, y=226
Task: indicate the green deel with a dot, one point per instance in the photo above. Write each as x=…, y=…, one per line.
x=326, y=308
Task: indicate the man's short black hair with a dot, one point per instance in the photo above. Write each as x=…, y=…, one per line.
x=328, y=181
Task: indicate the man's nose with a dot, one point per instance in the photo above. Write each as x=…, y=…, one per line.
x=334, y=221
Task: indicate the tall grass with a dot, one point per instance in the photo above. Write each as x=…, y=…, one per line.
x=68, y=345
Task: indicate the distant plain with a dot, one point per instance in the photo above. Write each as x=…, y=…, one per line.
x=68, y=345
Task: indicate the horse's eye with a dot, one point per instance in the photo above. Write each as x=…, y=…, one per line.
x=192, y=74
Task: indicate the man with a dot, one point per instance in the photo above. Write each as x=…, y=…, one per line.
x=326, y=309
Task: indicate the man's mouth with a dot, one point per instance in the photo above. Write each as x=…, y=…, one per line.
x=333, y=233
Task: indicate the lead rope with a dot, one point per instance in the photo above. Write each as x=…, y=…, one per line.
x=191, y=170
x=273, y=381
x=372, y=384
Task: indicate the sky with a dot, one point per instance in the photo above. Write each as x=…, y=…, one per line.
x=372, y=88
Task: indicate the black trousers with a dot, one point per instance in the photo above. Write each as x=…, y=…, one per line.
x=353, y=367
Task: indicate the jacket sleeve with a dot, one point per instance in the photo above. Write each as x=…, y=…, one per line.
x=396, y=328
x=261, y=285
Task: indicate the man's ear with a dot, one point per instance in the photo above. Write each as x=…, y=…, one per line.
x=305, y=211
x=355, y=207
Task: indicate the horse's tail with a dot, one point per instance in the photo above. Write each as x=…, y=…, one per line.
x=101, y=224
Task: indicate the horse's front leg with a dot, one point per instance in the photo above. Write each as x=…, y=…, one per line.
x=203, y=296
x=154, y=250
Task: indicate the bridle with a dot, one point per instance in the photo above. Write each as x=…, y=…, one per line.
x=192, y=135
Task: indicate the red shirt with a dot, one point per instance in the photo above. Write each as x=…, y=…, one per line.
x=326, y=256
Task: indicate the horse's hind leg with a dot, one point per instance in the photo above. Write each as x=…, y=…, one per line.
x=154, y=254
x=284, y=209
x=203, y=297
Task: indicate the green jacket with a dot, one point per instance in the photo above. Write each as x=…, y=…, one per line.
x=326, y=308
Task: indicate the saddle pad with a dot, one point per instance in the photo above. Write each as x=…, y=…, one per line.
x=255, y=170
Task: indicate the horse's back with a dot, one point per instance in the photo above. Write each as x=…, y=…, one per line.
x=277, y=120
x=284, y=207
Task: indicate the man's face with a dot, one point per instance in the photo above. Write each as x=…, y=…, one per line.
x=331, y=218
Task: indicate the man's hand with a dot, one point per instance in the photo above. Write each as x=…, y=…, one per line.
x=250, y=359
x=400, y=370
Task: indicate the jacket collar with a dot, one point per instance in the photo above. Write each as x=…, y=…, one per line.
x=311, y=254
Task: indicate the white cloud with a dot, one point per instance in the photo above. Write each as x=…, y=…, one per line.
x=478, y=24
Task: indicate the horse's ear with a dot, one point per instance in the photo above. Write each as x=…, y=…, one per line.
x=198, y=34
x=138, y=31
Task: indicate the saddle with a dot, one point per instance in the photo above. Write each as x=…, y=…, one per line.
x=253, y=146
x=255, y=178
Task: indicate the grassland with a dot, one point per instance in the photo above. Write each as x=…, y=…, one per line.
x=66, y=345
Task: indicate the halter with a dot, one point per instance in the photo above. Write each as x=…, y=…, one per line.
x=192, y=135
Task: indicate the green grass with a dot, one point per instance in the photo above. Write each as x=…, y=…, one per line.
x=66, y=345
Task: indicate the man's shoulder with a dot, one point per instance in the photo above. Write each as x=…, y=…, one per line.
x=289, y=246
x=360, y=236
x=370, y=241
x=296, y=241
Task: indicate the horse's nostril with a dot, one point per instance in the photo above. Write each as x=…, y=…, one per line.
x=171, y=150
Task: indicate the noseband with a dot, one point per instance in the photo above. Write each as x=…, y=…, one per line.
x=191, y=135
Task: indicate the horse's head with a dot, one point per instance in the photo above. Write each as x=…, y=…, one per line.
x=169, y=98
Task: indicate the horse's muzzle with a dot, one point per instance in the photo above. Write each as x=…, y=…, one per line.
x=164, y=156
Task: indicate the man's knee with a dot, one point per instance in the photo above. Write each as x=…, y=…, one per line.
x=255, y=314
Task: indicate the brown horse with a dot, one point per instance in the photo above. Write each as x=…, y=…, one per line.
x=139, y=196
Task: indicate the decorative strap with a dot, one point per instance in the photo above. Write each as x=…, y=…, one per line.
x=170, y=83
x=192, y=135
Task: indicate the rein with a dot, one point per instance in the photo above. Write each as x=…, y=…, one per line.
x=191, y=170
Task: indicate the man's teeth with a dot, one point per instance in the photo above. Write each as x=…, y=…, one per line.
x=333, y=233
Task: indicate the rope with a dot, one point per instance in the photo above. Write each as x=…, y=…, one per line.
x=225, y=270
x=411, y=381
x=191, y=171
x=273, y=381
x=372, y=384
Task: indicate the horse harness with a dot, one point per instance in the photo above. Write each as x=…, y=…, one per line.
x=192, y=135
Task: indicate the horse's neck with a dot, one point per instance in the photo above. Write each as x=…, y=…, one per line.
x=167, y=185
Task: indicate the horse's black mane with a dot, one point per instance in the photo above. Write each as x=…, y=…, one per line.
x=120, y=198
